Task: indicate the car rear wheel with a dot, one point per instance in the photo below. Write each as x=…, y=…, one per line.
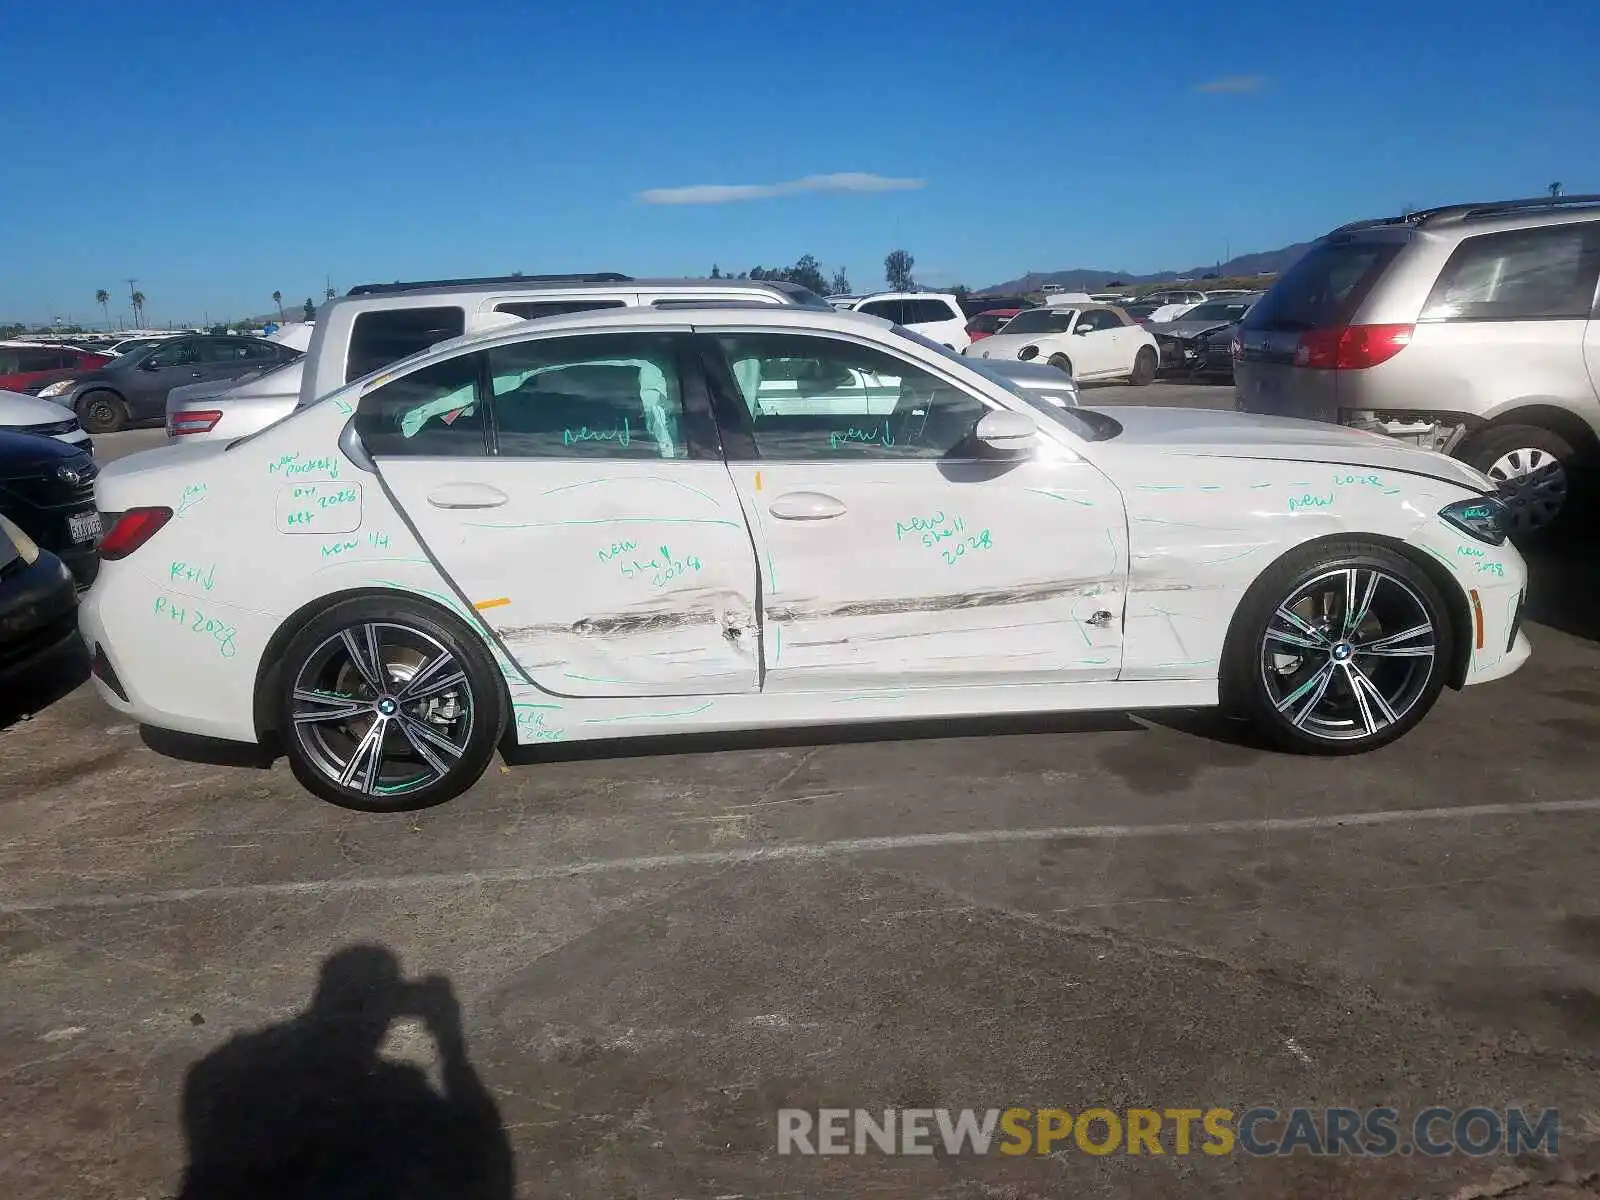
x=1061, y=363
x=1145, y=365
x=1338, y=649
x=102, y=412
x=1533, y=467
x=386, y=704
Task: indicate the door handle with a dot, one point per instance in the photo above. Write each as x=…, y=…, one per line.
x=467, y=495
x=806, y=506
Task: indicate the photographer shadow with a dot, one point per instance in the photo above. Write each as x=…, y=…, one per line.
x=310, y=1108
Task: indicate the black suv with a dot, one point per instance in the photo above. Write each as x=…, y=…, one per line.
x=47, y=488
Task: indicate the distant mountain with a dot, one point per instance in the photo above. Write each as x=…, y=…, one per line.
x=1082, y=279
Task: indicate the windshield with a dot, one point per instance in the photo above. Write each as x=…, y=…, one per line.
x=1222, y=310
x=1041, y=320
x=1067, y=418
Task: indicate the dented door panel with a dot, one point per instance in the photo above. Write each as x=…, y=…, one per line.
x=621, y=578
x=936, y=573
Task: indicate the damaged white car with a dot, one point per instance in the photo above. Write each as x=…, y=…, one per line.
x=637, y=522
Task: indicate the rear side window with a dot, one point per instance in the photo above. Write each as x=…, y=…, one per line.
x=1325, y=287
x=42, y=359
x=925, y=312
x=431, y=412
x=530, y=310
x=380, y=338
x=1519, y=275
x=889, y=310
x=602, y=396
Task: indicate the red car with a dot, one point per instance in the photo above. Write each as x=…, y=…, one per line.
x=989, y=321
x=22, y=363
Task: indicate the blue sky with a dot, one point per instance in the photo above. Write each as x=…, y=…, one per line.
x=219, y=152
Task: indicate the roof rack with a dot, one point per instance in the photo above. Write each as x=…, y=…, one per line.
x=378, y=289
x=1450, y=213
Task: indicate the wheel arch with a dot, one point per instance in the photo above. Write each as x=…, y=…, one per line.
x=1455, y=599
x=269, y=668
x=1558, y=420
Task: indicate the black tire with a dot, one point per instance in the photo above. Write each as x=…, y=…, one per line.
x=1061, y=363
x=1541, y=501
x=319, y=670
x=1276, y=684
x=1145, y=366
x=102, y=411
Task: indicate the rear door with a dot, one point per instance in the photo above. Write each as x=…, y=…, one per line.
x=571, y=489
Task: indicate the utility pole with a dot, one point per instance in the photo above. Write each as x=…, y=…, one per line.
x=1555, y=191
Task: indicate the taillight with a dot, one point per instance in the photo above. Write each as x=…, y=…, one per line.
x=131, y=530
x=202, y=420
x=1349, y=347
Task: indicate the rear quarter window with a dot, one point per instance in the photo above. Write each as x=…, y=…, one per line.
x=1325, y=287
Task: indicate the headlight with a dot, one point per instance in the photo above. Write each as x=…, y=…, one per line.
x=1483, y=518
x=26, y=546
x=1028, y=352
x=55, y=389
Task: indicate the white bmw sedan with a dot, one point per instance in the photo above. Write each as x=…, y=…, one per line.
x=629, y=523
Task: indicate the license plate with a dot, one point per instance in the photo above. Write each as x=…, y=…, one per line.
x=84, y=527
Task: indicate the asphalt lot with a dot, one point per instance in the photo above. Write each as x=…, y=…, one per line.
x=655, y=950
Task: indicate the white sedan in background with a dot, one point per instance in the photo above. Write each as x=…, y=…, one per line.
x=639, y=522
x=1095, y=342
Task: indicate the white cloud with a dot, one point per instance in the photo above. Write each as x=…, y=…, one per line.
x=730, y=193
x=1233, y=83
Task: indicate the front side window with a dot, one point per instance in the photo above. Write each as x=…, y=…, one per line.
x=1519, y=275
x=606, y=396
x=1096, y=320
x=815, y=397
x=431, y=412
x=43, y=359
x=175, y=354
x=388, y=335
x=1218, y=310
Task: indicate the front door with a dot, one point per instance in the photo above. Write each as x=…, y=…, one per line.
x=562, y=486
x=1094, y=340
x=892, y=554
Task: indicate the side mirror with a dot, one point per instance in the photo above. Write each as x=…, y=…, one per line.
x=1006, y=434
x=150, y=364
x=1082, y=330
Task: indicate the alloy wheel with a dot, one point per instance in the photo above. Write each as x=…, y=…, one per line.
x=383, y=709
x=1533, y=484
x=1348, y=654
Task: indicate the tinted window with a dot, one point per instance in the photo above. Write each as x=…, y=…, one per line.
x=814, y=397
x=927, y=311
x=889, y=310
x=175, y=354
x=234, y=350
x=530, y=310
x=1522, y=274
x=606, y=396
x=434, y=411
x=1218, y=310
x=1325, y=287
x=380, y=338
x=1041, y=320
x=986, y=323
x=43, y=359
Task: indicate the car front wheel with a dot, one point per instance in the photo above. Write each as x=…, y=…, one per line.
x=1338, y=649
x=1145, y=366
x=102, y=412
x=386, y=704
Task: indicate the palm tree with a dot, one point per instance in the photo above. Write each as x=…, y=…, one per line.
x=103, y=298
x=277, y=298
x=138, y=308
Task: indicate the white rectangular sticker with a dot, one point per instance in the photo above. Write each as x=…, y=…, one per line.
x=318, y=508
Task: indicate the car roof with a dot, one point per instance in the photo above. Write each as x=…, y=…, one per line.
x=399, y=294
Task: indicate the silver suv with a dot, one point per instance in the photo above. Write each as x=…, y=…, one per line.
x=1472, y=330
x=380, y=323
